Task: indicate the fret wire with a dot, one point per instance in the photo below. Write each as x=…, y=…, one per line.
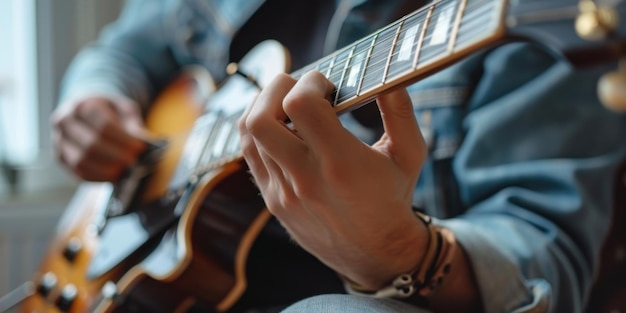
x=398, y=39
x=429, y=7
x=471, y=25
x=366, y=64
x=457, y=23
x=343, y=74
x=394, y=24
x=380, y=41
x=220, y=138
x=207, y=155
x=233, y=140
x=471, y=17
x=231, y=148
x=420, y=42
x=331, y=65
x=467, y=31
x=470, y=21
x=393, y=46
x=205, y=124
x=437, y=34
x=423, y=37
x=367, y=38
x=231, y=137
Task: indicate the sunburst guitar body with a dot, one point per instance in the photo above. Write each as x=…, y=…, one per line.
x=185, y=238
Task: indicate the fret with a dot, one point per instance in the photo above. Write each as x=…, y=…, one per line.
x=224, y=129
x=354, y=70
x=232, y=143
x=221, y=143
x=420, y=42
x=207, y=153
x=367, y=62
x=403, y=55
x=338, y=70
x=205, y=126
x=403, y=51
x=455, y=28
x=393, y=46
x=225, y=143
x=331, y=64
x=326, y=65
x=438, y=33
x=196, y=143
x=378, y=58
x=479, y=19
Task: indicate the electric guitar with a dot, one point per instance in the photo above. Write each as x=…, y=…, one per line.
x=189, y=209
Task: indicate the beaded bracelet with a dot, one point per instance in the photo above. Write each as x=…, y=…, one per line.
x=427, y=276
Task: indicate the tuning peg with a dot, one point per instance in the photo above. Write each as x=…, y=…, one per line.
x=595, y=22
x=612, y=88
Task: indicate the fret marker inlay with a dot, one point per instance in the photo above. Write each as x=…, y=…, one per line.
x=440, y=33
x=355, y=70
x=407, y=43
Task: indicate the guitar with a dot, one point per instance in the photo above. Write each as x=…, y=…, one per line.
x=190, y=209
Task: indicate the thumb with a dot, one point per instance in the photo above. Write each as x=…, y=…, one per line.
x=131, y=117
x=403, y=137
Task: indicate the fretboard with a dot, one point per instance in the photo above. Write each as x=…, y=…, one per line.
x=410, y=48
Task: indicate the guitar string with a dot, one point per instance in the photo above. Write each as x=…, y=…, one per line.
x=393, y=25
x=425, y=53
x=207, y=163
x=381, y=56
x=472, y=10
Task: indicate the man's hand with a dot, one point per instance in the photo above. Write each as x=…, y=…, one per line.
x=347, y=203
x=97, y=138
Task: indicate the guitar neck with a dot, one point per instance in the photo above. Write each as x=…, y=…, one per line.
x=403, y=52
x=409, y=49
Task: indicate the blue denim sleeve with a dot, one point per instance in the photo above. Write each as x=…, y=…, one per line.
x=151, y=42
x=534, y=172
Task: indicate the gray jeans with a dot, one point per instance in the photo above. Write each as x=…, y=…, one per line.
x=339, y=303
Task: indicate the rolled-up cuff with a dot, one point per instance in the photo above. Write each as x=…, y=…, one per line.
x=502, y=287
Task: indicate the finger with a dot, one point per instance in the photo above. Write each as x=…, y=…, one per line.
x=92, y=147
x=132, y=119
x=103, y=118
x=314, y=118
x=250, y=151
x=278, y=182
x=266, y=123
x=88, y=169
x=402, y=137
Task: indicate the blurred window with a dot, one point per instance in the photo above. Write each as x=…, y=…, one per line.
x=19, y=129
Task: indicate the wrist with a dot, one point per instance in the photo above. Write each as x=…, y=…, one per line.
x=424, y=276
x=395, y=253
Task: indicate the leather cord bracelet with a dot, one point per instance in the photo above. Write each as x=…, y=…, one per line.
x=429, y=273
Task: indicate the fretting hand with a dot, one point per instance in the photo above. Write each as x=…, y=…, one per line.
x=347, y=203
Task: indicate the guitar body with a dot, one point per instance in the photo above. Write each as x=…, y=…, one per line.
x=207, y=222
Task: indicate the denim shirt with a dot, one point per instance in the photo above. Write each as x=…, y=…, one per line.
x=521, y=153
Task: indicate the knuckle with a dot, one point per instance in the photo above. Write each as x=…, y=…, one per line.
x=255, y=125
x=295, y=102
